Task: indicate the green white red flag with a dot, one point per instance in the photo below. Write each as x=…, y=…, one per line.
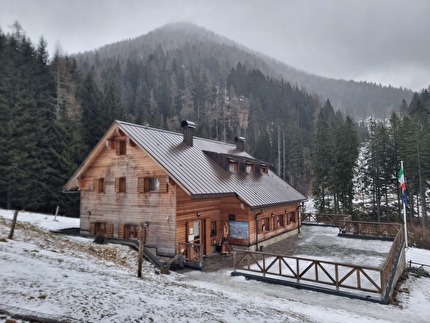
x=402, y=179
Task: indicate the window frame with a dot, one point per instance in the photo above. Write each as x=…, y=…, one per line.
x=249, y=168
x=121, y=149
x=120, y=185
x=214, y=227
x=264, y=169
x=101, y=185
x=232, y=166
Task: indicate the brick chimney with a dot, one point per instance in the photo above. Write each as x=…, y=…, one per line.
x=188, y=129
x=240, y=143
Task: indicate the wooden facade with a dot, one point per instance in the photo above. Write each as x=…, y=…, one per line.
x=122, y=186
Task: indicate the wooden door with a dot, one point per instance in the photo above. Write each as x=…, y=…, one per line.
x=194, y=237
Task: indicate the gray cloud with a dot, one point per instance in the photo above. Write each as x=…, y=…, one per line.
x=383, y=41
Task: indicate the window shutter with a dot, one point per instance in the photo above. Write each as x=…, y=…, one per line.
x=117, y=184
x=147, y=184
x=163, y=184
x=141, y=184
x=92, y=228
x=121, y=231
x=109, y=229
x=96, y=185
x=117, y=147
x=101, y=188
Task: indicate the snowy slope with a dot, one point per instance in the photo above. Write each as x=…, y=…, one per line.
x=71, y=279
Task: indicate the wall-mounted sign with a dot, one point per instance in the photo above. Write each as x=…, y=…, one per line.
x=239, y=230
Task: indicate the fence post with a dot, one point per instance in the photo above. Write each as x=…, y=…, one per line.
x=141, y=246
x=12, y=229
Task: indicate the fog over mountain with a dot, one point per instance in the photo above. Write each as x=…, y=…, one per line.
x=380, y=41
x=198, y=46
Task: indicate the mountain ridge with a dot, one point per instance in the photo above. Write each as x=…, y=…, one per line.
x=359, y=99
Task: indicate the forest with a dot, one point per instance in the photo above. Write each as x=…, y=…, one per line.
x=53, y=110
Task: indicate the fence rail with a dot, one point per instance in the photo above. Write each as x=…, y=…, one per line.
x=327, y=275
x=369, y=228
x=328, y=219
x=419, y=265
x=299, y=270
x=193, y=252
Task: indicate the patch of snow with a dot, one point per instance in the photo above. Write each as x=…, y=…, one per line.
x=69, y=278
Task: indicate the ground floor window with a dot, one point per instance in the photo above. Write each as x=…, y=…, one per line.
x=213, y=229
x=292, y=217
x=131, y=231
x=265, y=224
x=100, y=228
x=279, y=221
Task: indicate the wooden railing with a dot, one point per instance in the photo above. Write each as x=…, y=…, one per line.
x=193, y=252
x=329, y=219
x=379, y=229
x=299, y=270
x=328, y=275
x=389, y=268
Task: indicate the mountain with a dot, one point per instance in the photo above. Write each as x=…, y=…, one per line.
x=197, y=47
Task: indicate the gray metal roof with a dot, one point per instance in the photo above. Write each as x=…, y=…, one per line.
x=202, y=176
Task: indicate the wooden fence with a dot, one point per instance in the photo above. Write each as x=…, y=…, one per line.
x=193, y=253
x=327, y=219
x=376, y=229
x=371, y=283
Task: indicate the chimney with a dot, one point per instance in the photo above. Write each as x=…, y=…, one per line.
x=188, y=131
x=240, y=143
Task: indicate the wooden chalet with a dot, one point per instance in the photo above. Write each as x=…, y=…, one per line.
x=187, y=190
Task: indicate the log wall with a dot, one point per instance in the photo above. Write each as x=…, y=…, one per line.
x=129, y=207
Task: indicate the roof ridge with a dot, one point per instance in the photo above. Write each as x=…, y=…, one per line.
x=173, y=132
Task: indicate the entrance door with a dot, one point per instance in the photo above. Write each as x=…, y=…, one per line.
x=194, y=237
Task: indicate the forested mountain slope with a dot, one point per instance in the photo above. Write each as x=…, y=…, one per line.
x=53, y=111
x=198, y=47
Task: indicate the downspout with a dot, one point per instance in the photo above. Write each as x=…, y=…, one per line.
x=299, y=216
x=256, y=229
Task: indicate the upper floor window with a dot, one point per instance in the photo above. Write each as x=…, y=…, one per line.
x=121, y=147
x=99, y=185
x=232, y=166
x=148, y=184
x=120, y=185
x=263, y=169
x=249, y=168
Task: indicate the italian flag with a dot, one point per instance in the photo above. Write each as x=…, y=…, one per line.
x=402, y=179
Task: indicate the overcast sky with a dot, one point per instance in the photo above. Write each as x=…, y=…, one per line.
x=382, y=41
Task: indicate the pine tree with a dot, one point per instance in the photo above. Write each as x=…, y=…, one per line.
x=93, y=122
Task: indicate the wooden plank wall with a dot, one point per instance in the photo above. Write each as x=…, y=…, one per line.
x=285, y=210
x=219, y=209
x=131, y=207
x=187, y=210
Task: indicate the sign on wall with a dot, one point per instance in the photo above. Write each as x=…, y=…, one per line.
x=239, y=230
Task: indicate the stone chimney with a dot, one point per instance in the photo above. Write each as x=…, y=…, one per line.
x=188, y=129
x=240, y=143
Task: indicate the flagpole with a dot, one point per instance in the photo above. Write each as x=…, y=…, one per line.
x=404, y=210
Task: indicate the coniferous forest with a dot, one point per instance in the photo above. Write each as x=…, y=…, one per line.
x=53, y=110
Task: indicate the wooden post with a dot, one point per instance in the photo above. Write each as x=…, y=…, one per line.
x=56, y=213
x=141, y=246
x=15, y=215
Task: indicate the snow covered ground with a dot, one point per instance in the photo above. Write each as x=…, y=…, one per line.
x=62, y=278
